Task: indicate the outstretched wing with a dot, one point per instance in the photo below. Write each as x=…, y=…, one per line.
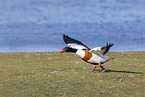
x=96, y=52
x=73, y=43
x=100, y=55
x=103, y=49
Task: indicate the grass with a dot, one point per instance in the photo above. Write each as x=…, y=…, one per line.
x=58, y=75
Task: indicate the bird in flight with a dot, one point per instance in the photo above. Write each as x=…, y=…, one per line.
x=93, y=56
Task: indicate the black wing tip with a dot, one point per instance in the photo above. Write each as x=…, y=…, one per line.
x=66, y=38
x=64, y=35
x=109, y=44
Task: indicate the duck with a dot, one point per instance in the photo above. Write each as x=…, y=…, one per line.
x=95, y=56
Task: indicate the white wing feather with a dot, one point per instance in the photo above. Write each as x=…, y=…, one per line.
x=76, y=46
x=96, y=49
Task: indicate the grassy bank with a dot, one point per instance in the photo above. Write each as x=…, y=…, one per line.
x=53, y=74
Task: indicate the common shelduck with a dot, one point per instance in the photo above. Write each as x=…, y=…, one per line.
x=94, y=56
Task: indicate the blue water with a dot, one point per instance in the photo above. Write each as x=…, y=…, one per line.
x=37, y=25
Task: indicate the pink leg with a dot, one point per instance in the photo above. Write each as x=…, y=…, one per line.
x=95, y=67
x=103, y=69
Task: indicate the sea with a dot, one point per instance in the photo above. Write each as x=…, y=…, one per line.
x=38, y=25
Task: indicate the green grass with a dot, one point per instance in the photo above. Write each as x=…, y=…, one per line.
x=58, y=75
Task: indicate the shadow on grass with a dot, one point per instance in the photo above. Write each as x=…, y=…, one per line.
x=124, y=71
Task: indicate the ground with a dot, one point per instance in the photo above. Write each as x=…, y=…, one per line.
x=52, y=74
